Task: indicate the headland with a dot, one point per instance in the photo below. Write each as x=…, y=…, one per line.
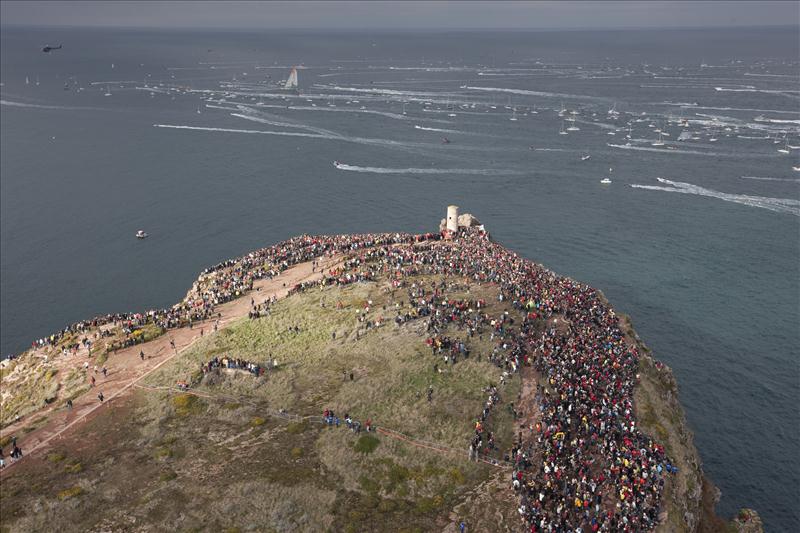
x=355, y=383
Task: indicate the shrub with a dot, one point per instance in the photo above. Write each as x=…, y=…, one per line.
x=387, y=506
x=457, y=476
x=167, y=476
x=257, y=421
x=295, y=428
x=297, y=453
x=366, y=444
x=73, y=468
x=162, y=452
x=70, y=493
x=187, y=404
x=55, y=457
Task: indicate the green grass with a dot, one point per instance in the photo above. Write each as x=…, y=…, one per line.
x=366, y=444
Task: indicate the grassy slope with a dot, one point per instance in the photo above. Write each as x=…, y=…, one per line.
x=161, y=460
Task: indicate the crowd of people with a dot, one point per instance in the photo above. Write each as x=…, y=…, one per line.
x=589, y=467
x=257, y=369
x=226, y=281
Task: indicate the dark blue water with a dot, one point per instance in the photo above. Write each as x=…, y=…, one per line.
x=705, y=262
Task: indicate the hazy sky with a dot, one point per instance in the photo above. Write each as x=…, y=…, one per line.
x=399, y=15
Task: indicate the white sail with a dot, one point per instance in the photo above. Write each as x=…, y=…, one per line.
x=291, y=83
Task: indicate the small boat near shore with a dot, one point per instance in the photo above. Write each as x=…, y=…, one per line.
x=141, y=234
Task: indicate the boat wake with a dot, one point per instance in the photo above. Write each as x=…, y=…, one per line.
x=759, y=178
x=525, y=92
x=440, y=130
x=465, y=171
x=779, y=205
x=42, y=106
x=669, y=151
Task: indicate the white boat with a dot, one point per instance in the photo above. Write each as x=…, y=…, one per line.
x=585, y=157
x=562, y=131
x=337, y=164
x=27, y=81
x=659, y=142
x=198, y=110
x=605, y=181
x=141, y=234
x=291, y=82
x=513, y=115
x=796, y=169
x=108, y=91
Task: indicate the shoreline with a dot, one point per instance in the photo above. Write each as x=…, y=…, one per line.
x=701, y=515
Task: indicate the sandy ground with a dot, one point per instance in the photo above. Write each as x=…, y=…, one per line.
x=126, y=368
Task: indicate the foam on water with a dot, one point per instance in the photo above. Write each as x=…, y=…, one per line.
x=760, y=178
x=44, y=106
x=526, y=92
x=779, y=205
x=684, y=152
x=470, y=171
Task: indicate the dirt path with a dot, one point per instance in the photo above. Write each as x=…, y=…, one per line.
x=126, y=368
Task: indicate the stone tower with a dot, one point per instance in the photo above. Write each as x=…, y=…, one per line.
x=452, y=219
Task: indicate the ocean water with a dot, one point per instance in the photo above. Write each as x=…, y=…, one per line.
x=185, y=135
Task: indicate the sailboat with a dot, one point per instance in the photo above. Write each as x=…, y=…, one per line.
x=291, y=82
x=660, y=141
x=573, y=127
x=27, y=81
x=108, y=91
x=607, y=179
x=785, y=149
x=198, y=110
x=37, y=81
x=404, y=108
x=585, y=157
x=562, y=132
x=513, y=115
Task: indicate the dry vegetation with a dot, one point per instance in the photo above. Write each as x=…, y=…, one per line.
x=219, y=460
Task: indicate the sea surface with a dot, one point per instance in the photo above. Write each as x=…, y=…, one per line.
x=188, y=136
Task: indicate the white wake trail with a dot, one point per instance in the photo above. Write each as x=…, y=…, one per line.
x=465, y=171
x=539, y=93
x=778, y=205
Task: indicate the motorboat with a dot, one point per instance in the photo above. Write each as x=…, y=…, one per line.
x=585, y=157
x=445, y=140
x=605, y=181
x=141, y=234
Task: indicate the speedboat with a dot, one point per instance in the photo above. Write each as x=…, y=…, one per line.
x=445, y=140
x=336, y=164
x=605, y=181
x=585, y=157
x=141, y=234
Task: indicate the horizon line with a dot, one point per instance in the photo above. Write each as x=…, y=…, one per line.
x=360, y=29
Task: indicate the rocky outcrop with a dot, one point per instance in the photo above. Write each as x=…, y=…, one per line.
x=467, y=220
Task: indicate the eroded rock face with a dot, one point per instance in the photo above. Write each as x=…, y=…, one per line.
x=748, y=521
x=467, y=220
